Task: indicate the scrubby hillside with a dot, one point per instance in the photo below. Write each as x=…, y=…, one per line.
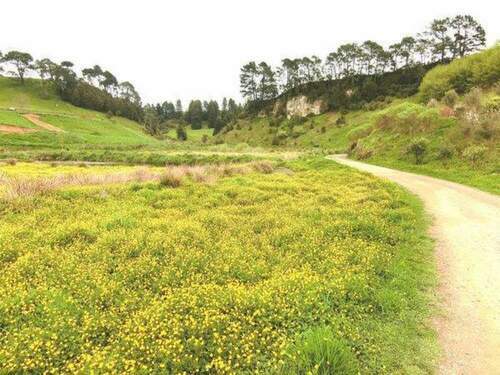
x=449, y=129
x=71, y=125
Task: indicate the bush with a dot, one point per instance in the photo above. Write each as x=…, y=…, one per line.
x=341, y=120
x=475, y=154
x=171, y=179
x=450, y=98
x=11, y=161
x=319, y=351
x=472, y=100
x=362, y=153
x=181, y=133
x=418, y=147
x=445, y=153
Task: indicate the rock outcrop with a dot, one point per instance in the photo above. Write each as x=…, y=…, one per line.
x=299, y=106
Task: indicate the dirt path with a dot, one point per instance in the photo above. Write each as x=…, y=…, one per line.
x=35, y=119
x=14, y=129
x=466, y=227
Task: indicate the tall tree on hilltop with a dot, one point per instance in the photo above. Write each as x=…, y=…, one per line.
x=266, y=84
x=407, y=49
x=439, y=35
x=249, y=81
x=21, y=61
x=468, y=35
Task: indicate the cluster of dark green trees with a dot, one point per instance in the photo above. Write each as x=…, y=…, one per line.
x=158, y=116
x=444, y=40
x=95, y=89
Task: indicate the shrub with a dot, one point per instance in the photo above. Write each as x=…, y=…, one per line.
x=319, y=351
x=472, y=100
x=475, y=154
x=341, y=120
x=450, y=98
x=181, y=133
x=11, y=161
x=418, y=148
x=445, y=152
x=171, y=178
x=362, y=153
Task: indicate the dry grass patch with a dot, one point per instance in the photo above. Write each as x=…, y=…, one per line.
x=172, y=177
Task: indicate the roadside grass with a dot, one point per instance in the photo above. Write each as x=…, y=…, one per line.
x=322, y=270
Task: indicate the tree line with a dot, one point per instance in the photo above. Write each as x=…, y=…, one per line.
x=95, y=88
x=158, y=117
x=444, y=39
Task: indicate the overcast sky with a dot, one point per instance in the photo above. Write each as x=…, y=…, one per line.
x=194, y=49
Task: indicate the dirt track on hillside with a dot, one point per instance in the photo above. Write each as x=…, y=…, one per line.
x=35, y=119
x=466, y=227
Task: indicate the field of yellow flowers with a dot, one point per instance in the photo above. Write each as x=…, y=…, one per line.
x=315, y=268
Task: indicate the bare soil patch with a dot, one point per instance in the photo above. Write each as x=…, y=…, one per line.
x=14, y=129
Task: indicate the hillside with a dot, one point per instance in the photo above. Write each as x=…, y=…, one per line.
x=78, y=127
x=461, y=131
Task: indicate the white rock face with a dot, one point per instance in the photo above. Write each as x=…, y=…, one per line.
x=301, y=107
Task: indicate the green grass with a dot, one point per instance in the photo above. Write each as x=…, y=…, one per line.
x=256, y=273
x=81, y=126
x=13, y=118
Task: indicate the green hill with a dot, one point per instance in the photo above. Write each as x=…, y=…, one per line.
x=78, y=126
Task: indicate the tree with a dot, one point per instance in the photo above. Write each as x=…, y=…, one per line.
x=109, y=82
x=332, y=66
x=288, y=73
x=212, y=113
x=468, y=35
x=372, y=56
x=439, y=36
x=407, y=49
x=194, y=114
x=266, y=84
x=128, y=92
x=152, y=121
x=178, y=109
x=249, y=81
x=21, y=61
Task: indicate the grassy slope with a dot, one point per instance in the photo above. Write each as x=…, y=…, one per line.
x=387, y=143
x=81, y=126
x=166, y=268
